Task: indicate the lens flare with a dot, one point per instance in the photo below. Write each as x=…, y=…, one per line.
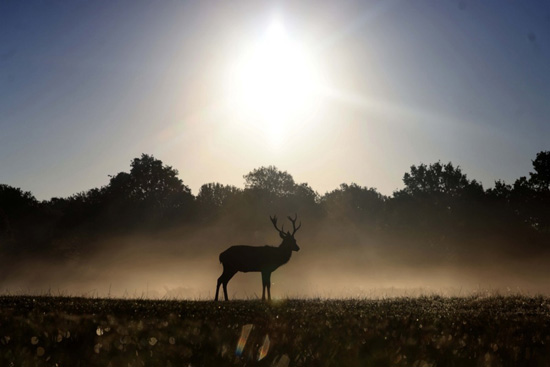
x=264, y=348
x=245, y=332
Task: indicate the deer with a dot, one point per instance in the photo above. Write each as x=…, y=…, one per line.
x=264, y=259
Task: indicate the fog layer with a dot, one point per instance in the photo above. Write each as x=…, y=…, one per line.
x=334, y=262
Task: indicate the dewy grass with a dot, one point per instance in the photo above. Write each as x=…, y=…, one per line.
x=423, y=331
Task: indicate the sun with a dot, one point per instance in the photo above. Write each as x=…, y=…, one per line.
x=275, y=81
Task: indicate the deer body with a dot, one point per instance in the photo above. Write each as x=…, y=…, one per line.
x=264, y=259
x=254, y=258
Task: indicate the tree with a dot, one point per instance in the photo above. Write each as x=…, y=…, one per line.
x=14, y=201
x=355, y=203
x=530, y=198
x=438, y=202
x=156, y=183
x=23, y=222
x=270, y=190
x=151, y=182
x=305, y=194
x=16, y=212
x=215, y=198
x=77, y=211
x=500, y=192
x=540, y=179
x=439, y=179
x=150, y=192
x=16, y=207
x=271, y=180
x=216, y=195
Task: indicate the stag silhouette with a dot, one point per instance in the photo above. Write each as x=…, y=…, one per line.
x=264, y=259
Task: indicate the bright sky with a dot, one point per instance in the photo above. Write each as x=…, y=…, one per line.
x=330, y=91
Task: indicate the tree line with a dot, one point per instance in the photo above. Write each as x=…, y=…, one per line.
x=438, y=205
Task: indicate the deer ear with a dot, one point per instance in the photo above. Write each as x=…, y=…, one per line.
x=282, y=234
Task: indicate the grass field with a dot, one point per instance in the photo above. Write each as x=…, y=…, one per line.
x=424, y=331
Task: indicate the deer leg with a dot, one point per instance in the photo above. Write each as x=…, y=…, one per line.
x=269, y=286
x=226, y=277
x=265, y=284
x=218, y=288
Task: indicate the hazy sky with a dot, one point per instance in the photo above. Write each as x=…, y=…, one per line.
x=332, y=92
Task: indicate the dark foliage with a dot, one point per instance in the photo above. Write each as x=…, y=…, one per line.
x=356, y=204
x=439, y=207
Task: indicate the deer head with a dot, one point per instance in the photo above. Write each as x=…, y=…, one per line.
x=288, y=238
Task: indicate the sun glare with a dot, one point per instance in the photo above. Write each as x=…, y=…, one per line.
x=274, y=82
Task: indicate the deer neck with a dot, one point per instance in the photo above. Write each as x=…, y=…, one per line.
x=286, y=252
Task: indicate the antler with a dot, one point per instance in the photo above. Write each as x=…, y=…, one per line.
x=274, y=221
x=294, y=223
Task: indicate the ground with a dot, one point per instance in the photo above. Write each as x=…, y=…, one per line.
x=423, y=331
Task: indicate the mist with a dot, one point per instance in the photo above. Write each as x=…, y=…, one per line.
x=335, y=261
